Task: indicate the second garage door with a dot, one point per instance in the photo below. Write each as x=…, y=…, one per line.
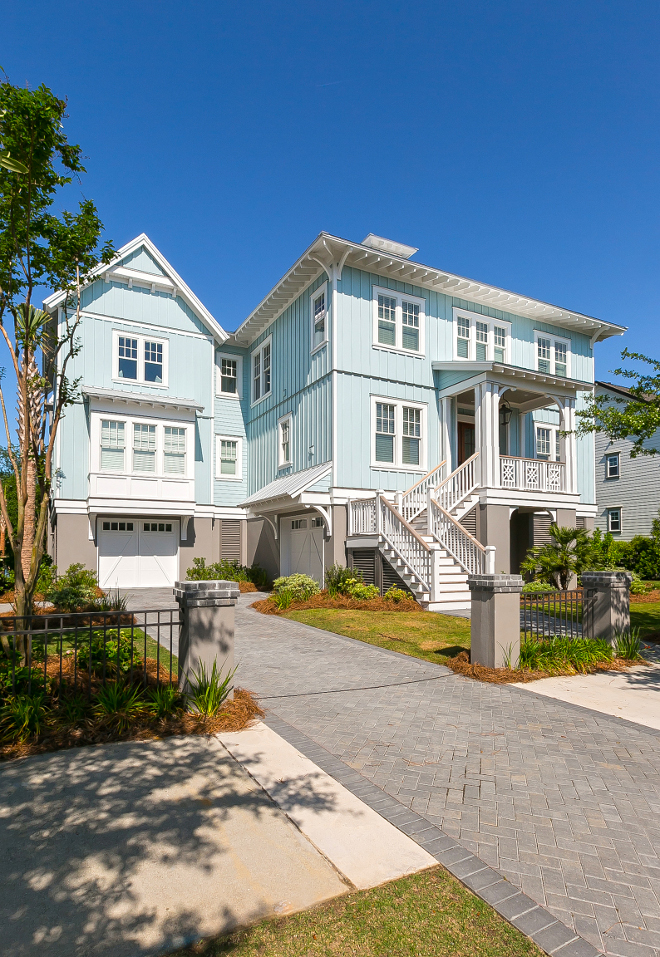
x=136, y=553
x=302, y=547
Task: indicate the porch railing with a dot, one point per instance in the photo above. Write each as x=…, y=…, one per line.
x=413, y=501
x=457, y=486
x=534, y=475
x=405, y=541
x=362, y=516
x=471, y=555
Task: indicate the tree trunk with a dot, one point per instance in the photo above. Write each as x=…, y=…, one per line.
x=30, y=518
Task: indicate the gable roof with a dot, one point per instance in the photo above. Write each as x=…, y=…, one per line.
x=168, y=279
x=327, y=251
x=622, y=391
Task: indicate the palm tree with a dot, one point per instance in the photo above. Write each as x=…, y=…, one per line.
x=568, y=553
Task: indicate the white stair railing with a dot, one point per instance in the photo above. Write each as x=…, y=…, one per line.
x=362, y=516
x=405, y=541
x=457, y=486
x=473, y=557
x=413, y=501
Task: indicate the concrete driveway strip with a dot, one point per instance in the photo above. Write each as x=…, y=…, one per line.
x=366, y=848
x=137, y=848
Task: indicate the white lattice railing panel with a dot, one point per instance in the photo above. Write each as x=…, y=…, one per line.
x=457, y=486
x=532, y=474
x=468, y=552
x=414, y=500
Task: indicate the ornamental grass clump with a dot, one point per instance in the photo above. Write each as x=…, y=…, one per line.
x=559, y=653
x=119, y=705
x=23, y=716
x=209, y=690
x=628, y=645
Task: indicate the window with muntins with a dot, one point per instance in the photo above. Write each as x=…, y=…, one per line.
x=140, y=359
x=386, y=320
x=552, y=355
x=174, y=451
x=112, y=445
x=398, y=434
x=229, y=376
x=499, y=350
x=412, y=430
x=479, y=338
x=410, y=326
x=399, y=321
x=463, y=337
x=543, y=443
x=384, y=432
x=612, y=466
x=228, y=456
x=614, y=519
x=319, y=318
x=153, y=361
x=284, y=452
x=128, y=358
x=144, y=448
x=261, y=371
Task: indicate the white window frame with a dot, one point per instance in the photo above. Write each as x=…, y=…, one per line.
x=538, y=334
x=238, y=477
x=118, y=420
x=321, y=291
x=288, y=420
x=141, y=339
x=554, y=438
x=259, y=352
x=239, y=375
x=619, y=530
x=398, y=465
x=474, y=318
x=400, y=298
x=608, y=456
x=130, y=420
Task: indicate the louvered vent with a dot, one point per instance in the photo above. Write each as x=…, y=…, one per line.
x=231, y=540
x=580, y=522
x=542, y=523
x=365, y=560
x=469, y=522
x=390, y=578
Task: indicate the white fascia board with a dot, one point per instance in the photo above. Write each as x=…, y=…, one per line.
x=181, y=287
x=132, y=506
x=528, y=498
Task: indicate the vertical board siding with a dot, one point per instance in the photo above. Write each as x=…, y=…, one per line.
x=230, y=420
x=143, y=261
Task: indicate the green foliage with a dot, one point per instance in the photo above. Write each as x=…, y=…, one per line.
x=360, y=591
x=533, y=587
x=47, y=576
x=119, y=705
x=22, y=716
x=112, y=600
x=560, y=653
x=209, y=690
x=568, y=553
x=227, y=571
x=114, y=652
x=282, y=599
x=74, y=590
x=164, y=701
x=628, y=644
x=301, y=587
x=398, y=595
x=73, y=709
x=21, y=679
x=336, y=577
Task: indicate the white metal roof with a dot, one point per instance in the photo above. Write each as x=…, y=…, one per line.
x=327, y=251
x=142, y=398
x=289, y=486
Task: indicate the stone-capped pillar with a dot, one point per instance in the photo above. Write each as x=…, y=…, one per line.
x=495, y=619
x=207, y=627
x=606, y=606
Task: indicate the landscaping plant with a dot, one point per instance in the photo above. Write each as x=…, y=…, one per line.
x=301, y=587
x=227, y=571
x=114, y=653
x=118, y=705
x=165, y=701
x=209, y=689
x=628, y=644
x=568, y=553
x=74, y=590
x=558, y=653
x=22, y=716
x=398, y=595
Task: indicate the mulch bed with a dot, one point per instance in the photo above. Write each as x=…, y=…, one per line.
x=461, y=665
x=322, y=600
x=234, y=716
x=650, y=598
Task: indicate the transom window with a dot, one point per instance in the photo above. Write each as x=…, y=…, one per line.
x=156, y=526
x=398, y=434
x=261, y=385
x=614, y=520
x=112, y=445
x=144, y=448
x=398, y=321
x=612, y=465
x=552, y=355
x=479, y=338
x=140, y=359
x=174, y=451
x=118, y=526
x=319, y=311
x=284, y=451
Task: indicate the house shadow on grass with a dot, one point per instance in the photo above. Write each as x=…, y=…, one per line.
x=142, y=847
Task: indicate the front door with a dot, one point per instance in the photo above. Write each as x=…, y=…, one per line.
x=465, y=441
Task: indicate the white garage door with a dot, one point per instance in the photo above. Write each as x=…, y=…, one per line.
x=301, y=548
x=138, y=553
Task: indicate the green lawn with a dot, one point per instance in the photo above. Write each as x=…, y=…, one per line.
x=426, y=915
x=646, y=617
x=422, y=634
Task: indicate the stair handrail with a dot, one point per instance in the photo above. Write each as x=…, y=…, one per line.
x=473, y=557
x=413, y=502
x=457, y=486
x=405, y=541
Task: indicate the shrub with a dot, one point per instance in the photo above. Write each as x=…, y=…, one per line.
x=559, y=653
x=118, y=652
x=73, y=709
x=119, y=705
x=22, y=716
x=227, y=571
x=282, y=599
x=628, y=644
x=538, y=586
x=337, y=576
x=397, y=595
x=164, y=701
x=301, y=587
x=209, y=689
x=112, y=600
x=361, y=592
x=73, y=590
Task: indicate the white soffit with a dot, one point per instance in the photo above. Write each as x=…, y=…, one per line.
x=327, y=251
x=389, y=246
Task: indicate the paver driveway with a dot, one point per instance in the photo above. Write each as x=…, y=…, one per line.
x=562, y=801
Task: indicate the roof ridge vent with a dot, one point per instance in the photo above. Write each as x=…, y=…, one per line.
x=389, y=246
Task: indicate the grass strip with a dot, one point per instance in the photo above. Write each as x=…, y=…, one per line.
x=429, y=914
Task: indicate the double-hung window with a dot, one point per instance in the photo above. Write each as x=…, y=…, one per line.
x=284, y=441
x=261, y=371
x=153, y=361
x=398, y=321
x=479, y=338
x=548, y=443
x=229, y=373
x=128, y=358
x=319, y=312
x=614, y=520
x=112, y=445
x=398, y=434
x=174, y=451
x=229, y=457
x=612, y=466
x=552, y=355
x=141, y=359
x=144, y=448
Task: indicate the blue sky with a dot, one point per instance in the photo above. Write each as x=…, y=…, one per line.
x=512, y=142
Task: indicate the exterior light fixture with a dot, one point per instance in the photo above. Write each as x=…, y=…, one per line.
x=505, y=414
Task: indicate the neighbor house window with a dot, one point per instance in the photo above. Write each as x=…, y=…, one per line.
x=112, y=445
x=612, y=466
x=398, y=434
x=153, y=362
x=128, y=358
x=552, y=355
x=614, y=519
x=229, y=456
x=319, y=310
x=284, y=451
x=174, y=451
x=144, y=448
x=140, y=359
x=479, y=338
x=261, y=371
x=398, y=321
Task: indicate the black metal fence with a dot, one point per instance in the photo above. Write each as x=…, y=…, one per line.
x=81, y=652
x=552, y=613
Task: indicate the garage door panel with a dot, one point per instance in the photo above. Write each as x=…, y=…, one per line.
x=147, y=556
x=301, y=549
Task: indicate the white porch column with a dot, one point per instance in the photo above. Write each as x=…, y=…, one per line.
x=486, y=398
x=568, y=425
x=445, y=435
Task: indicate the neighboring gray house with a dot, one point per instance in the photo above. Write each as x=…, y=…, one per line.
x=627, y=490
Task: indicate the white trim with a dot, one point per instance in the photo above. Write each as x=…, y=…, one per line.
x=399, y=297
x=238, y=477
x=474, y=318
x=233, y=396
x=539, y=334
x=608, y=456
x=281, y=463
x=321, y=291
x=163, y=330
x=130, y=420
x=268, y=341
x=553, y=430
x=141, y=340
x=398, y=465
x=608, y=511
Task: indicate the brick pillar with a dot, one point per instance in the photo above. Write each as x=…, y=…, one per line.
x=606, y=606
x=207, y=627
x=495, y=619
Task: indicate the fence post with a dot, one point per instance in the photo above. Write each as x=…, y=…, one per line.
x=495, y=619
x=207, y=628
x=490, y=559
x=606, y=605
